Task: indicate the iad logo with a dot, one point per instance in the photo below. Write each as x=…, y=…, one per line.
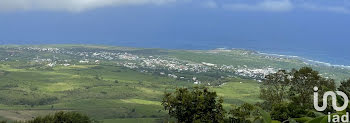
x=334, y=100
x=335, y=118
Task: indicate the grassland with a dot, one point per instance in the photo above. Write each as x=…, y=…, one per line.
x=76, y=88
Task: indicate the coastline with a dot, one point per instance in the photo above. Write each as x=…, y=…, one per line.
x=262, y=52
x=306, y=60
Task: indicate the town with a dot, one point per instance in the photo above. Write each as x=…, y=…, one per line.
x=164, y=66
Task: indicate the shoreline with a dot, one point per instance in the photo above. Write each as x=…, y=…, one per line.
x=306, y=60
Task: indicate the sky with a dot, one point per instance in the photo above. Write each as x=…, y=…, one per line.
x=319, y=28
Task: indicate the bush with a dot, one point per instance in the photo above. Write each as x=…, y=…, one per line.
x=242, y=113
x=196, y=105
x=284, y=111
x=63, y=117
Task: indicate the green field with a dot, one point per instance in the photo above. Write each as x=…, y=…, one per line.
x=136, y=95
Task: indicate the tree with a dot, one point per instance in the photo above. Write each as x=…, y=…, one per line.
x=196, y=105
x=290, y=94
x=274, y=89
x=296, y=86
x=63, y=117
x=302, y=84
x=345, y=87
x=242, y=113
x=60, y=117
x=284, y=111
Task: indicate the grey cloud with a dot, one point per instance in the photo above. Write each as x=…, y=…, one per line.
x=267, y=5
x=71, y=5
x=338, y=9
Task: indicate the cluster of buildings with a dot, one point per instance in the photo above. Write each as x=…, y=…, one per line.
x=132, y=61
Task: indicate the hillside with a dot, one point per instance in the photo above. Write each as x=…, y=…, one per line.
x=119, y=83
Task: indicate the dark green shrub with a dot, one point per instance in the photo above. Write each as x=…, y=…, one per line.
x=63, y=117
